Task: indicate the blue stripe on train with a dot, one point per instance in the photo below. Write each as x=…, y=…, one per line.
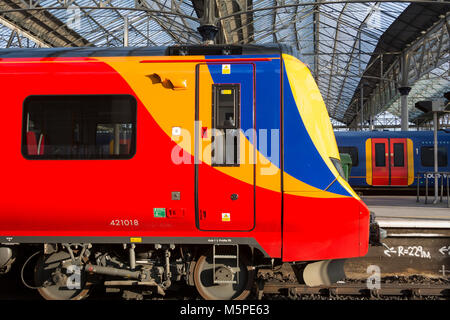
x=267, y=99
x=302, y=160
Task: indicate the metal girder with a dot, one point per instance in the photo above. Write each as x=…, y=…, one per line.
x=316, y=30
x=237, y=29
x=178, y=29
x=14, y=32
x=141, y=15
x=43, y=20
x=428, y=53
x=353, y=56
x=333, y=57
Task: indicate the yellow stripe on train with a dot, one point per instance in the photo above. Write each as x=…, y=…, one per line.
x=156, y=99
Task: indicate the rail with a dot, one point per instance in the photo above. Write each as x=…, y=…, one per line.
x=411, y=290
x=442, y=178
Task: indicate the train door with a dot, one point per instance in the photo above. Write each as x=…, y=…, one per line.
x=398, y=162
x=389, y=162
x=225, y=174
x=380, y=162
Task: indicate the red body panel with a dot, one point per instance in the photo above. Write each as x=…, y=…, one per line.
x=326, y=233
x=394, y=170
x=215, y=203
x=67, y=201
x=398, y=162
x=381, y=168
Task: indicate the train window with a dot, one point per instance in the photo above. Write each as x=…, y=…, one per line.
x=399, y=154
x=79, y=127
x=225, y=125
x=353, y=152
x=380, y=155
x=427, y=156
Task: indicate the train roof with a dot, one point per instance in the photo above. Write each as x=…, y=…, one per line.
x=271, y=49
x=389, y=134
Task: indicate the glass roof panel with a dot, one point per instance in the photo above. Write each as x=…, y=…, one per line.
x=106, y=27
x=335, y=40
x=430, y=87
x=348, y=36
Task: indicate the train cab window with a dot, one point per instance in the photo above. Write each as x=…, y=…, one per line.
x=427, y=156
x=338, y=165
x=380, y=155
x=225, y=125
x=399, y=154
x=353, y=152
x=79, y=127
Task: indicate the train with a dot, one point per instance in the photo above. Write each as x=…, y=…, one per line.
x=149, y=168
x=393, y=159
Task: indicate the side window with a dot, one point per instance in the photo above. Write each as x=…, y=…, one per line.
x=225, y=124
x=353, y=152
x=427, y=156
x=380, y=155
x=79, y=127
x=399, y=154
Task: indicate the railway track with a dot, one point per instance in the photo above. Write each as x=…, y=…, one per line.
x=414, y=263
x=413, y=288
x=354, y=290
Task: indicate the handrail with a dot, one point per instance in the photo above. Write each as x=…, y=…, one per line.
x=442, y=176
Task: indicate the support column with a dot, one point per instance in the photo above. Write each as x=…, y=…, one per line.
x=371, y=118
x=436, y=167
x=125, y=31
x=362, y=105
x=208, y=23
x=404, y=91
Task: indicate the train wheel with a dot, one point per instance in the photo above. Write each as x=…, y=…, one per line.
x=56, y=283
x=204, y=278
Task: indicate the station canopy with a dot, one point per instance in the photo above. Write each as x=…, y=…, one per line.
x=338, y=40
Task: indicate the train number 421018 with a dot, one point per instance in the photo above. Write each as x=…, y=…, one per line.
x=124, y=223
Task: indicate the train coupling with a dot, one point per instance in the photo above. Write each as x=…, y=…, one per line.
x=376, y=234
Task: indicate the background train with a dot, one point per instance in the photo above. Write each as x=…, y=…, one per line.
x=393, y=158
x=146, y=167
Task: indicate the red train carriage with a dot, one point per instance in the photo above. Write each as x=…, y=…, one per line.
x=198, y=163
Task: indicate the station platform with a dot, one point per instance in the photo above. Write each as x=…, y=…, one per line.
x=404, y=211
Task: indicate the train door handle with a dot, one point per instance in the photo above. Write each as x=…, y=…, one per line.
x=202, y=214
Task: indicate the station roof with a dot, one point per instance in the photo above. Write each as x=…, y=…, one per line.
x=407, y=28
x=339, y=40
